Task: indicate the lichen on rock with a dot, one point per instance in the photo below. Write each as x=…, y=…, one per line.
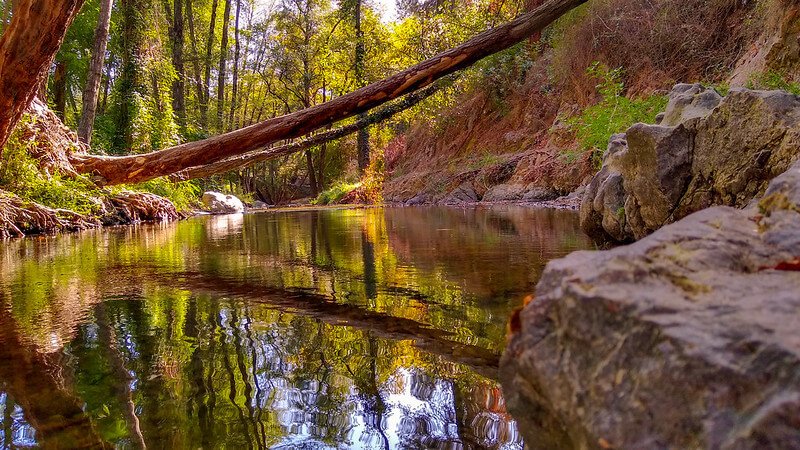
x=706, y=151
x=685, y=339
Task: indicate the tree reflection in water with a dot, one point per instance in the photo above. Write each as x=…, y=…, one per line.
x=369, y=329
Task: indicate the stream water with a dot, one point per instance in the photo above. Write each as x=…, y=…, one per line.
x=373, y=329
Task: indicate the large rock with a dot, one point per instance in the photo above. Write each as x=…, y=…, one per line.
x=686, y=339
x=706, y=151
x=218, y=203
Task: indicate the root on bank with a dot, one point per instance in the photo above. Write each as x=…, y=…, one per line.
x=19, y=218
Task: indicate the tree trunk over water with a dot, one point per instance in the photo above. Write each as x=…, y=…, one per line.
x=26, y=49
x=92, y=89
x=138, y=168
x=321, y=139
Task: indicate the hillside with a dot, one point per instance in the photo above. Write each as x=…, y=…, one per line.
x=533, y=125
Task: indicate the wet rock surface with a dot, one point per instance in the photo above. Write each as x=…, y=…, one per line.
x=706, y=151
x=686, y=339
x=218, y=203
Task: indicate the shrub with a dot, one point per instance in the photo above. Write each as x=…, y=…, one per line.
x=20, y=174
x=613, y=114
x=184, y=195
x=658, y=42
x=335, y=193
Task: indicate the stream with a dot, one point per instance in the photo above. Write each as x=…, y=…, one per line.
x=310, y=329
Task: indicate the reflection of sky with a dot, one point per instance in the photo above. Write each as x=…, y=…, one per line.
x=22, y=434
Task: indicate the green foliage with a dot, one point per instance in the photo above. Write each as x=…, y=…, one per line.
x=335, y=193
x=613, y=114
x=773, y=80
x=185, y=195
x=20, y=174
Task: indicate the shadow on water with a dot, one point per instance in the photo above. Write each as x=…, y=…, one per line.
x=368, y=329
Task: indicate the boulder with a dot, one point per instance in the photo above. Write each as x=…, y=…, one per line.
x=504, y=192
x=706, y=151
x=218, y=203
x=539, y=194
x=258, y=204
x=464, y=193
x=686, y=339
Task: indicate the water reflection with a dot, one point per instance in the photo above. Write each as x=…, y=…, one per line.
x=369, y=329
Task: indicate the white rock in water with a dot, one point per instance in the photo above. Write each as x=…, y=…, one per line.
x=218, y=203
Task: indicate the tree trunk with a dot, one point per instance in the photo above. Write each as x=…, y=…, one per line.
x=312, y=174
x=132, y=83
x=26, y=49
x=209, y=51
x=138, y=168
x=237, y=49
x=256, y=157
x=179, y=85
x=60, y=89
x=198, y=78
x=92, y=89
x=362, y=143
x=223, y=59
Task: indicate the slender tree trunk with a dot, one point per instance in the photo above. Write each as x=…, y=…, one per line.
x=198, y=78
x=27, y=48
x=103, y=107
x=209, y=52
x=179, y=85
x=223, y=60
x=360, y=69
x=236, y=53
x=132, y=169
x=92, y=88
x=60, y=89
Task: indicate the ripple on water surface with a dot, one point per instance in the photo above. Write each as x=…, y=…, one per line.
x=373, y=329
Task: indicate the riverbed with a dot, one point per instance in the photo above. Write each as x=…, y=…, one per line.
x=358, y=328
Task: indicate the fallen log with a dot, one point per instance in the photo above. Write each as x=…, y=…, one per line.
x=108, y=170
x=259, y=156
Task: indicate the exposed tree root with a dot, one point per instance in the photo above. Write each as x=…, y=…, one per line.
x=20, y=218
x=134, y=207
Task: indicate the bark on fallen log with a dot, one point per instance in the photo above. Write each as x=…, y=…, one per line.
x=259, y=156
x=138, y=168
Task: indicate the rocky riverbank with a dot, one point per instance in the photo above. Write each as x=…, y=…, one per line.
x=689, y=337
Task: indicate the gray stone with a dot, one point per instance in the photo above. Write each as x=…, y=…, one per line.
x=218, y=203
x=539, y=194
x=258, y=204
x=504, y=192
x=685, y=339
x=707, y=151
x=689, y=101
x=420, y=199
x=464, y=193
